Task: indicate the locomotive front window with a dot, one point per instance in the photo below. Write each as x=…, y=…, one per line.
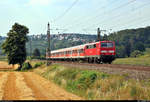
x=106, y=44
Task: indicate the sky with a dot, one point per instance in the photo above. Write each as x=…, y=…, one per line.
x=74, y=16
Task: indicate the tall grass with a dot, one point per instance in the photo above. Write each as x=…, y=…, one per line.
x=97, y=85
x=142, y=60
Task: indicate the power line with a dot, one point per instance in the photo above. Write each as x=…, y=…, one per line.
x=133, y=20
x=117, y=8
x=66, y=11
x=84, y=16
x=118, y=16
x=87, y=18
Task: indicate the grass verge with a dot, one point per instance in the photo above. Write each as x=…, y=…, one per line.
x=93, y=85
x=143, y=61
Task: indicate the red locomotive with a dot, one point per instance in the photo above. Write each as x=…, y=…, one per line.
x=97, y=52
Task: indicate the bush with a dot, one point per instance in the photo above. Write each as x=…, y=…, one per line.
x=38, y=64
x=26, y=66
x=136, y=53
x=86, y=79
x=68, y=74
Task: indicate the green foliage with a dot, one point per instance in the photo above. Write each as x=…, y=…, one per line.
x=142, y=60
x=136, y=53
x=38, y=64
x=139, y=46
x=36, y=53
x=68, y=74
x=14, y=45
x=147, y=51
x=86, y=79
x=129, y=40
x=26, y=66
x=133, y=91
x=97, y=85
x=56, y=43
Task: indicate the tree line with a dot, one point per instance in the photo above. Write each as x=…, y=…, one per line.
x=130, y=40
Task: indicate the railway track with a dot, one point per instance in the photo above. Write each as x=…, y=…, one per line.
x=129, y=71
x=113, y=66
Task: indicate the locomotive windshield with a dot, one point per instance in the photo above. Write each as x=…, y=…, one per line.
x=110, y=44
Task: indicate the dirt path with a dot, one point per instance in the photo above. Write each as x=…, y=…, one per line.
x=4, y=66
x=10, y=90
x=30, y=86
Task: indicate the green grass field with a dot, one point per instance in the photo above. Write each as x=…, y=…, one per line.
x=142, y=60
x=93, y=85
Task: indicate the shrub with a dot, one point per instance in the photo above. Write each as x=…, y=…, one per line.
x=133, y=91
x=38, y=64
x=136, y=53
x=86, y=79
x=26, y=66
x=68, y=74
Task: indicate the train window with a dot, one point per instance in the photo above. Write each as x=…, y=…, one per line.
x=109, y=44
x=106, y=44
x=87, y=47
x=81, y=51
x=94, y=46
x=75, y=51
x=90, y=46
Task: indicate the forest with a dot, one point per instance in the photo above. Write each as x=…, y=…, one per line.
x=130, y=40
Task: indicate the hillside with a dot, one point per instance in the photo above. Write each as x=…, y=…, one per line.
x=127, y=41
x=1, y=41
x=58, y=41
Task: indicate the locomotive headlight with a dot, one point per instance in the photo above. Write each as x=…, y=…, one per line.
x=104, y=51
x=111, y=51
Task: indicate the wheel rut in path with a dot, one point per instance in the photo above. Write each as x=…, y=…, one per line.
x=10, y=90
x=46, y=90
x=37, y=92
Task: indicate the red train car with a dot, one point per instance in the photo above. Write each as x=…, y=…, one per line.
x=99, y=52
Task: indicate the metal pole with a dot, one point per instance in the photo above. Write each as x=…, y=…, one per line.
x=98, y=34
x=48, y=49
x=30, y=47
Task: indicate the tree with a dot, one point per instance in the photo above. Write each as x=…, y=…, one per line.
x=136, y=53
x=128, y=49
x=36, y=53
x=120, y=51
x=105, y=37
x=14, y=45
x=139, y=46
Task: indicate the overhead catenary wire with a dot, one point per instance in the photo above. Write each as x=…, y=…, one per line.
x=76, y=20
x=117, y=8
x=66, y=11
x=131, y=21
x=117, y=17
x=106, y=20
x=95, y=16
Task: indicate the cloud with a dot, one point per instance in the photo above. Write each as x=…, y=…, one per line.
x=39, y=2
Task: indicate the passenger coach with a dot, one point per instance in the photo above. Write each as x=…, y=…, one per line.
x=97, y=52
